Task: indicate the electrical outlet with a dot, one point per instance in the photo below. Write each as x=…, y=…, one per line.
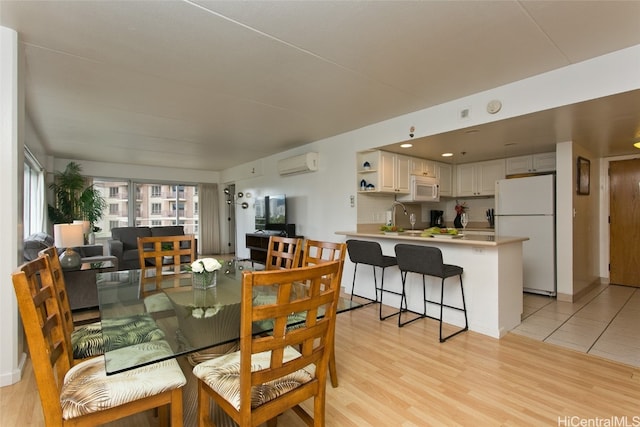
x=352, y=201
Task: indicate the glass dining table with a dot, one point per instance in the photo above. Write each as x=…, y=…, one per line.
x=189, y=320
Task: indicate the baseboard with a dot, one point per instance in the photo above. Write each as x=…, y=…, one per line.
x=575, y=297
x=14, y=375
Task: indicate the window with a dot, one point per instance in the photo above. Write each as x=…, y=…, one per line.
x=167, y=202
x=116, y=195
x=33, y=196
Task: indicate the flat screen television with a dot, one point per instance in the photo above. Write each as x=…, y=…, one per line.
x=276, y=212
x=261, y=215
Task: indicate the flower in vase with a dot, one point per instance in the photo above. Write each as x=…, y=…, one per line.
x=205, y=272
x=204, y=265
x=460, y=208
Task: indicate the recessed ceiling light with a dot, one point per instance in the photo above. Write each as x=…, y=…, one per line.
x=447, y=154
x=636, y=144
x=407, y=145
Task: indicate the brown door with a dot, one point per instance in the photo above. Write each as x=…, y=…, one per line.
x=624, y=222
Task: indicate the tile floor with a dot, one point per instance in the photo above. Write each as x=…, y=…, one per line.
x=603, y=322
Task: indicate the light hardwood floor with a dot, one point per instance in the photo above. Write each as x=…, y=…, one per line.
x=405, y=377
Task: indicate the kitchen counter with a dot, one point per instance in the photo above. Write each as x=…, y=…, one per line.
x=492, y=279
x=470, y=239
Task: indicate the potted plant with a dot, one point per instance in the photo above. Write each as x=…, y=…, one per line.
x=73, y=200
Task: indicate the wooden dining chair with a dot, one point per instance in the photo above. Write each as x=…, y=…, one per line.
x=83, y=395
x=162, y=257
x=89, y=340
x=165, y=255
x=319, y=252
x=268, y=375
x=283, y=253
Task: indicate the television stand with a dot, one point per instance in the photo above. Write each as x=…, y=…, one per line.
x=258, y=244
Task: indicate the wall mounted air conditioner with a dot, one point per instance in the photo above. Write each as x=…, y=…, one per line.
x=303, y=163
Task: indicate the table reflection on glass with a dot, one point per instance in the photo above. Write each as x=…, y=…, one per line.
x=191, y=320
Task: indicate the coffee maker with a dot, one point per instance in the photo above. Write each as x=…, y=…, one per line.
x=437, y=219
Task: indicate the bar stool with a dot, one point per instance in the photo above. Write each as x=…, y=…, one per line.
x=427, y=261
x=370, y=253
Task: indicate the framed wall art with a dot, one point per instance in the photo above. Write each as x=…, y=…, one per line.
x=584, y=170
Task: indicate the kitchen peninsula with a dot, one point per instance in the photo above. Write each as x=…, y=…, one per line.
x=492, y=278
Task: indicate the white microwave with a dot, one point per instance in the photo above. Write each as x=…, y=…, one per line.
x=422, y=189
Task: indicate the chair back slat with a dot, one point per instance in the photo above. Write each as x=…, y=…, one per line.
x=163, y=256
x=319, y=252
x=283, y=253
x=43, y=327
x=60, y=287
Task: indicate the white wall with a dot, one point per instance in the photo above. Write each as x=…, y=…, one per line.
x=564, y=220
x=317, y=202
x=586, y=243
x=12, y=356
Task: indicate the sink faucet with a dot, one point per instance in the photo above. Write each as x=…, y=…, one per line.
x=393, y=211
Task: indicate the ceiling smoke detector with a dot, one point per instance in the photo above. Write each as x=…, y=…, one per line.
x=494, y=106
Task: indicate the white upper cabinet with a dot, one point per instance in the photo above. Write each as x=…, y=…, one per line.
x=545, y=162
x=479, y=179
x=422, y=167
x=383, y=172
x=444, y=173
x=394, y=173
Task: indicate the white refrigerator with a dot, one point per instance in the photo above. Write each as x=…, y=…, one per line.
x=526, y=207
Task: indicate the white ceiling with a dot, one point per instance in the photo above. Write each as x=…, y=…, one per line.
x=212, y=84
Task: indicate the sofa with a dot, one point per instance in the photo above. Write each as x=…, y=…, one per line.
x=38, y=241
x=81, y=284
x=124, y=242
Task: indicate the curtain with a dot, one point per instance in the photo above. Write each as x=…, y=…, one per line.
x=209, y=219
x=39, y=207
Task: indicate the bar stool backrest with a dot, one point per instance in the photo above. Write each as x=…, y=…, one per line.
x=364, y=252
x=420, y=259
